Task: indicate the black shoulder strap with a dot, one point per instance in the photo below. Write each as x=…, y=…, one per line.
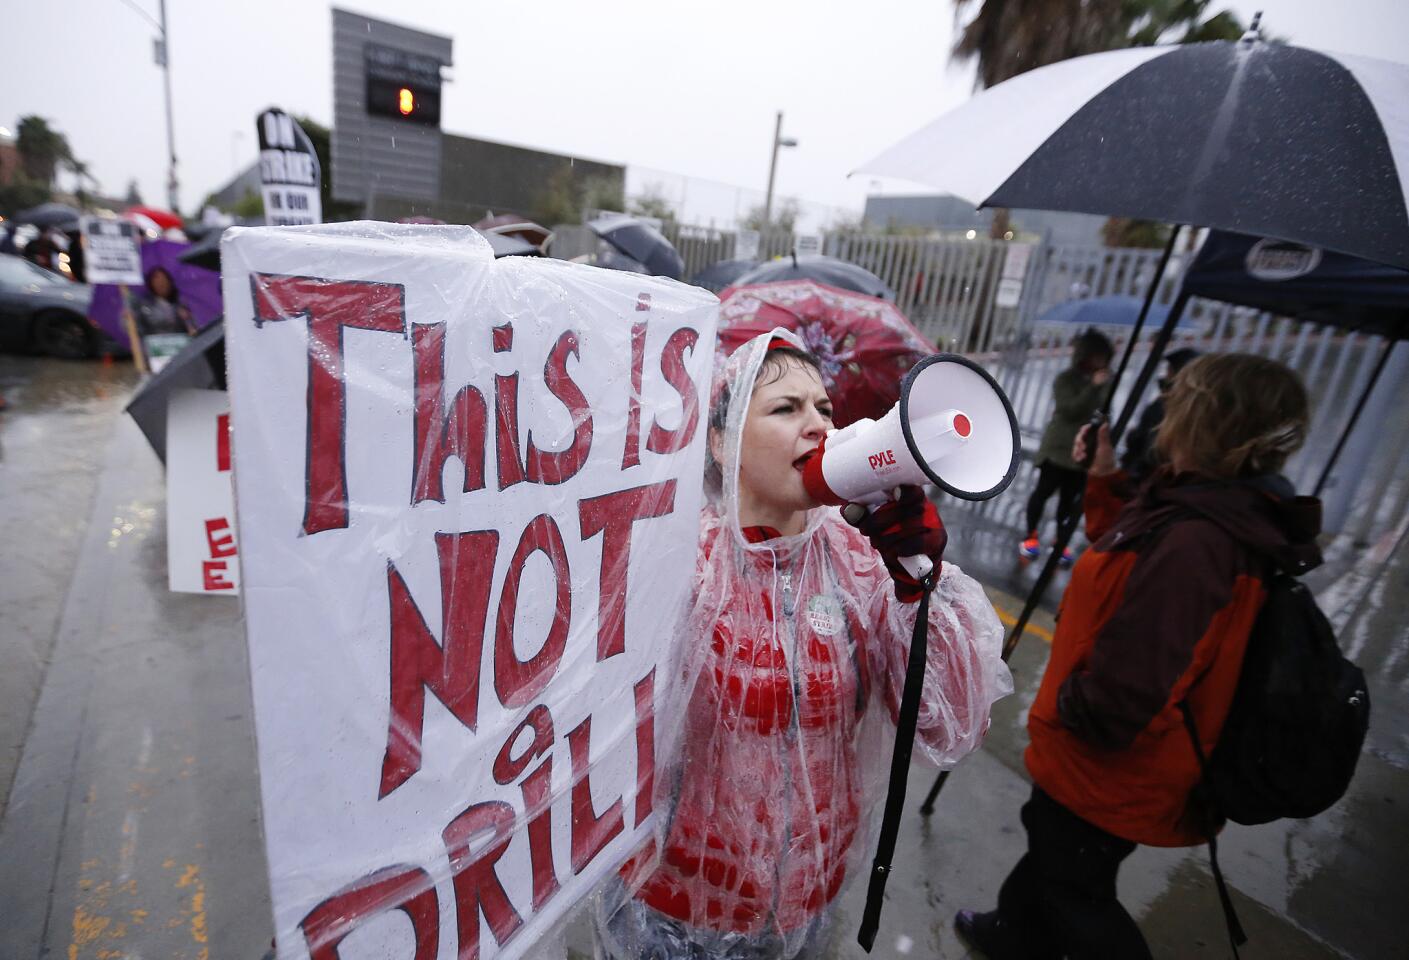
x=899, y=768
x=1236, y=936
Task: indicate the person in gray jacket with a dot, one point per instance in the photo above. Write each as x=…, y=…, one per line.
x=1079, y=391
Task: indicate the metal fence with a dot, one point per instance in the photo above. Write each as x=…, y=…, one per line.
x=1364, y=494
x=949, y=287
x=987, y=298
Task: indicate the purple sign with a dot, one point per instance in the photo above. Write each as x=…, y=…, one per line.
x=199, y=289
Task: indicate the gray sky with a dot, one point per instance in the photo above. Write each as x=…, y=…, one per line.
x=683, y=87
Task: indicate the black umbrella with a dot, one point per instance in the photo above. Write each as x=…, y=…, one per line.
x=200, y=365
x=1259, y=138
x=824, y=269
x=641, y=242
x=828, y=270
x=725, y=273
x=205, y=252
x=46, y=215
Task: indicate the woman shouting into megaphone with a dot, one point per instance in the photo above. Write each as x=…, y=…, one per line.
x=795, y=659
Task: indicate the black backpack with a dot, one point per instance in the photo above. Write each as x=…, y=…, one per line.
x=1293, y=734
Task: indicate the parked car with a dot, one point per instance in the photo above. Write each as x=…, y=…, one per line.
x=41, y=311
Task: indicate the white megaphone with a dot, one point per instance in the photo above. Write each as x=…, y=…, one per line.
x=953, y=427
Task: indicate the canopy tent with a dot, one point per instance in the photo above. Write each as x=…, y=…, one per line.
x=1292, y=280
x=1298, y=281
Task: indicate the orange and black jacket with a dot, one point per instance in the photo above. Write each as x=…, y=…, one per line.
x=1158, y=611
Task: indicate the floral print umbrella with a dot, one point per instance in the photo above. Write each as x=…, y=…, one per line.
x=865, y=346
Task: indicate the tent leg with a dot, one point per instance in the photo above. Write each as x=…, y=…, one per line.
x=1147, y=372
x=1150, y=295
x=927, y=807
x=1355, y=415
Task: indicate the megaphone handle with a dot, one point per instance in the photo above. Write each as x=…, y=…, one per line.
x=918, y=567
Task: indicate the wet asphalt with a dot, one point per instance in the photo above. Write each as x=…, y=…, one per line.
x=130, y=819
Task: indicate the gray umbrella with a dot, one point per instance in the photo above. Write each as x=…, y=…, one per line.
x=828, y=270
x=205, y=252
x=725, y=273
x=641, y=242
x=46, y=215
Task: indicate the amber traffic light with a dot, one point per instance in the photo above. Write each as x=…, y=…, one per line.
x=403, y=101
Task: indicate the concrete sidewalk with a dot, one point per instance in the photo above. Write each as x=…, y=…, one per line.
x=132, y=828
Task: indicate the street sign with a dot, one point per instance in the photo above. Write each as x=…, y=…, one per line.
x=808, y=244
x=112, y=251
x=289, y=172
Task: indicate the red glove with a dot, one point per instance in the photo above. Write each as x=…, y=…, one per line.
x=907, y=527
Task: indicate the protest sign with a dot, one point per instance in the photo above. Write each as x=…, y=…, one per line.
x=289, y=172
x=201, y=554
x=468, y=494
x=112, y=251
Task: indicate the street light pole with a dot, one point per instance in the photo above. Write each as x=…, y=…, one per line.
x=172, y=185
x=778, y=141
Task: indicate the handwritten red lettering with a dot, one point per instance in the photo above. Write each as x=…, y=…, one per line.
x=330, y=307
x=613, y=515
x=451, y=671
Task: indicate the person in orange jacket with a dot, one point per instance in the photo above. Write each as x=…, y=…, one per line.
x=1157, y=613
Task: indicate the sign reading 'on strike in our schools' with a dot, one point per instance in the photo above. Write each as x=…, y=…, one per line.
x=468, y=493
x=289, y=172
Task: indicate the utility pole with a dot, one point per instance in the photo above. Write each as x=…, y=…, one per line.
x=778, y=141
x=164, y=59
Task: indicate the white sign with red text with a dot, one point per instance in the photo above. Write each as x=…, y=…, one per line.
x=469, y=497
x=201, y=553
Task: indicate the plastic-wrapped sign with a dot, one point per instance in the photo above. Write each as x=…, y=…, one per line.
x=289, y=172
x=468, y=495
x=201, y=552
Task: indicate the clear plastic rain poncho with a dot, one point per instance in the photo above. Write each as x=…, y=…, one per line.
x=794, y=664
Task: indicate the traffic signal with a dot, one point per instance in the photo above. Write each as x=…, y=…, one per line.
x=400, y=100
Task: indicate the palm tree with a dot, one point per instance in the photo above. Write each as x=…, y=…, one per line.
x=1010, y=37
x=42, y=149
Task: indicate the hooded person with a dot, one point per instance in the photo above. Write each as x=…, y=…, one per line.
x=1077, y=392
x=793, y=664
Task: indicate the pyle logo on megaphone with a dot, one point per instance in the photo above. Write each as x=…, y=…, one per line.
x=953, y=427
x=886, y=458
